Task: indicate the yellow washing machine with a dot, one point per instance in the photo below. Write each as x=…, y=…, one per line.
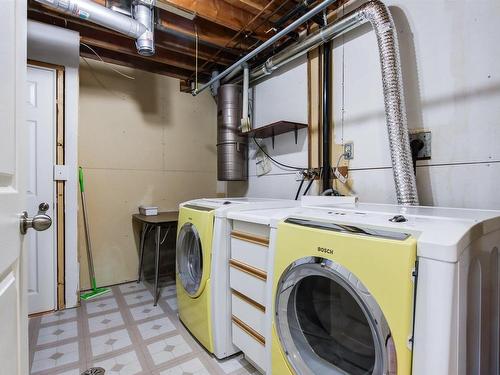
x=193, y=253
x=343, y=299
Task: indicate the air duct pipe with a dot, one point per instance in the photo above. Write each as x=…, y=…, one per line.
x=142, y=11
x=379, y=17
x=140, y=29
x=245, y=118
x=232, y=162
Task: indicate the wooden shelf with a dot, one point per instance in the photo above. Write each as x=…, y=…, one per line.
x=276, y=128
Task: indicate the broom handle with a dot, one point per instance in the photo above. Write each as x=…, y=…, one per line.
x=90, y=260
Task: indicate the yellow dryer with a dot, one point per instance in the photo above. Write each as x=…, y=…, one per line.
x=193, y=258
x=343, y=299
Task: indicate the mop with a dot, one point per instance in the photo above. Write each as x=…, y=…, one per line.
x=95, y=292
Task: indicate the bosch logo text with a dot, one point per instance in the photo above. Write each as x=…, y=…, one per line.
x=325, y=250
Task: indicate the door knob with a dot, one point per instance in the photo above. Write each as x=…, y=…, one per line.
x=41, y=221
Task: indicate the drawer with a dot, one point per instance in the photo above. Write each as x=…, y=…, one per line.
x=249, y=312
x=248, y=280
x=258, y=230
x=249, y=249
x=250, y=343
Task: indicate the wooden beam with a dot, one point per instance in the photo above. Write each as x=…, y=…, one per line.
x=219, y=12
x=208, y=32
x=181, y=45
x=255, y=6
x=138, y=63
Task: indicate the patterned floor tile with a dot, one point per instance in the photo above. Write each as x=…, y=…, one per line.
x=102, y=322
x=58, y=316
x=172, y=303
x=131, y=287
x=155, y=328
x=51, y=358
x=115, y=333
x=101, y=306
x=145, y=311
x=124, y=364
x=110, y=342
x=57, y=333
x=168, y=291
x=168, y=349
x=235, y=365
x=193, y=367
x=139, y=297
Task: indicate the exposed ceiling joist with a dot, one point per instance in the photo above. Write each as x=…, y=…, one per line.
x=220, y=12
x=132, y=62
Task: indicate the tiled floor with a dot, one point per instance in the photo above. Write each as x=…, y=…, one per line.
x=123, y=333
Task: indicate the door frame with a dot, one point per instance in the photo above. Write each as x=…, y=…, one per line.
x=60, y=46
x=59, y=185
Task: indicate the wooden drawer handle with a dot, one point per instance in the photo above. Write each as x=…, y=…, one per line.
x=263, y=241
x=249, y=330
x=243, y=267
x=248, y=300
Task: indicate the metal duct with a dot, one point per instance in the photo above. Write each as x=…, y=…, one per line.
x=379, y=17
x=142, y=11
x=231, y=146
x=317, y=9
x=100, y=15
x=399, y=142
x=245, y=119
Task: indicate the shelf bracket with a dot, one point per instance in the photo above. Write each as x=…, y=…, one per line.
x=273, y=137
x=296, y=132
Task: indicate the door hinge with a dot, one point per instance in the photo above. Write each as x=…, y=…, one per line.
x=60, y=173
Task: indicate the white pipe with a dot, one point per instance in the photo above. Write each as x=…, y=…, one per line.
x=245, y=120
x=143, y=13
x=140, y=29
x=317, y=9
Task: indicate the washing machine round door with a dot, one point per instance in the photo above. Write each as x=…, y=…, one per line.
x=328, y=322
x=189, y=257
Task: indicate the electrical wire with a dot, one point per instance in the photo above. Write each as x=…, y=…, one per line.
x=196, y=58
x=109, y=66
x=300, y=187
x=309, y=186
x=275, y=161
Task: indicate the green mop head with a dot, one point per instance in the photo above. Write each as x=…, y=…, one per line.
x=95, y=292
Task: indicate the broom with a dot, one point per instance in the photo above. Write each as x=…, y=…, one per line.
x=95, y=292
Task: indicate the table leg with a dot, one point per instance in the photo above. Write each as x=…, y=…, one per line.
x=141, y=250
x=157, y=261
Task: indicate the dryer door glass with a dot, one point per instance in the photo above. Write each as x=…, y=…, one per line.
x=189, y=258
x=324, y=325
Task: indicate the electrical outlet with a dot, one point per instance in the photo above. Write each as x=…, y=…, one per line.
x=426, y=137
x=349, y=151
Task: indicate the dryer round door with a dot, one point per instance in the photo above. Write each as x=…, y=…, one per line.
x=328, y=323
x=189, y=258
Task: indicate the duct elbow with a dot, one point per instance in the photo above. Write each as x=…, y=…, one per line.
x=143, y=12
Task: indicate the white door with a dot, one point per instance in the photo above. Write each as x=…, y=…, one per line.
x=13, y=301
x=41, y=246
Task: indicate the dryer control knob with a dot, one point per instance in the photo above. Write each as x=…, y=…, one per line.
x=398, y=219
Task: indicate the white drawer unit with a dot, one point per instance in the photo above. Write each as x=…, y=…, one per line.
x=248, y=280
x=249, y=249
x=251, y=343
x=249, y=312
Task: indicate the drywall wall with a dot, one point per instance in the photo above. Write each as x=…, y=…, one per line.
x=452, y=87
x=281, y=97
x=141, y=141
